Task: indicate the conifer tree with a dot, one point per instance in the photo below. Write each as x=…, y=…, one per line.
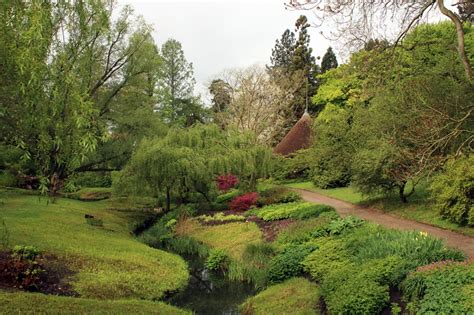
x=329, y=61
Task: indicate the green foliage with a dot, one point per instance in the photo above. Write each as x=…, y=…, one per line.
x=23, y=252
x=443, y=289
x=453, y=190
x=293, y=210
x=294, y=296
x=277, y=195
x=256, y=261
x=221, y=217
x=217, y=260
x=331, y=255
x=96, y=256
x=228, y=196
x=302, y=231
x=7, y=179
x=90, y=194
x=329, y=61
x=296, y=165
x=188, y=160
x=331, y=153
x=417, y=248
x=358, y=296
x=287, y=264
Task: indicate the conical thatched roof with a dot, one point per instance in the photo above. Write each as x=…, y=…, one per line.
x=299, y=137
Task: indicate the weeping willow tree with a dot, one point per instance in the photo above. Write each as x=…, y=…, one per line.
x=188, y=161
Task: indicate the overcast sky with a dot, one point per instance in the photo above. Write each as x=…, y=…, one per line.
x=222, y=34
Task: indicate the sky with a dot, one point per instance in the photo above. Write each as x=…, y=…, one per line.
x=222, y=34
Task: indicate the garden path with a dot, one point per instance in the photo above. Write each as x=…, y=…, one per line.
x=453, y=239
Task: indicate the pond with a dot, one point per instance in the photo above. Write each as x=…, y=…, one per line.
x=210, y=293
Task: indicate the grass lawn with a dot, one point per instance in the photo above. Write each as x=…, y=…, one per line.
x=294, y=296
x=20, y=302
x=231, y=237
x=109, y=262
x=418, y=207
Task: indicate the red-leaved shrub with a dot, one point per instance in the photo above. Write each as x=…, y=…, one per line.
x=226, y=182
x=244, y=202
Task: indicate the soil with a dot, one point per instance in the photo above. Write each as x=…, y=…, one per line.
x=270, y=229
x=462, y=242
x=52, y=278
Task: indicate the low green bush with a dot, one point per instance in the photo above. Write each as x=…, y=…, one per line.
x=287, y=264
x=358, y=296
x=217, y=260
x=447, y=289
x=24, y=252
x=227, y=196
x=274, y=195
x=302, y=231
x=7, y=179
x=453, y=191
x=417, y=248
x=221, y=217
x=293, y=210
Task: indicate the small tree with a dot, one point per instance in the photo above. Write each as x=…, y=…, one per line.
x=188, y=161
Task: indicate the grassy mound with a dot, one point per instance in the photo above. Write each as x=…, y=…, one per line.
x=14, y=303
x=294, y=296
x=108, y=262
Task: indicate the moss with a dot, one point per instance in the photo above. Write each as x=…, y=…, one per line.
x=14, y=303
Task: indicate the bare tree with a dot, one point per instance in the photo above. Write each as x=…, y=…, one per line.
x=358, y=21
x=256, y=103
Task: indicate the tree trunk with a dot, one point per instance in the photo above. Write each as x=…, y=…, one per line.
x=168, y=199
x=401, y=193
x=460, y=34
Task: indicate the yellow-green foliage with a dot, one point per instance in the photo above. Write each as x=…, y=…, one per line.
x=294, y=296
x=221, y=217
x=294, y=210
x=231, y=237
x=109, y=262
x=331, y=255
x=26, y=303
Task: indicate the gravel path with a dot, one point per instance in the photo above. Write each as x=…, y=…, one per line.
x=453, y=239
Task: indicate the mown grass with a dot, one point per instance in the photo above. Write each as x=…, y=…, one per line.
x=28, y=303
x=231, y=237
x=419, y=207
x=294, y=296
x=109, y=262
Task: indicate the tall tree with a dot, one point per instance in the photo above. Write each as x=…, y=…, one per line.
x=176, y=84
x=221, y=92
x=358, y=21
x=329, y=61
x=294, y=67
x=63, y=65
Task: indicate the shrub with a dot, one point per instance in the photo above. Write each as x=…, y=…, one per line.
x=358, y=296
x=221, y=217
x=417, y=248
x=244, y=202
x=277, y=195
x=294, y=210
x=453, y=191
x=226, y=182
x=301, y=231
x=294, y=166
x=217, y=260
x=229, y=195
x=22, y=252
x=443, y=290
x=256, y=260
x=342, y=225
x=288, y=263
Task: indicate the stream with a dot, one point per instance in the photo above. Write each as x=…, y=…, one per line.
x=210, y=293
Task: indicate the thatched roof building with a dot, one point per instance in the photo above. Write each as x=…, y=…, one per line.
x=299, y=137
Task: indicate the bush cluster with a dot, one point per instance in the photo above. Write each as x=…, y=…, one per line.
x=448, y=289
x=287, y=264
x=277, y=195
x=217, y=260
x=293, y=210
x=244, y=202
x=221, y=217
x=453, y=191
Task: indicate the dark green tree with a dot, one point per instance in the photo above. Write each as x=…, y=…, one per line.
x=177, y=105
x=329, y=61
x=293, y=67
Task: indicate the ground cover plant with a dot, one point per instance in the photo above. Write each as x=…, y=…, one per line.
x=294, y=296
x=96, y=255
x=441, y=288
x=292, y=210
x=220, y=217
